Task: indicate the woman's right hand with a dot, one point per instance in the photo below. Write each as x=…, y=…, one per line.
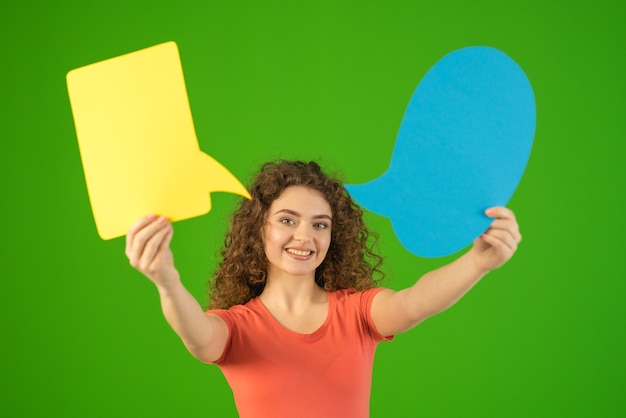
x=148, y=249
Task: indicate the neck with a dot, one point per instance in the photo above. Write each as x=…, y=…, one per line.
x=292, y=293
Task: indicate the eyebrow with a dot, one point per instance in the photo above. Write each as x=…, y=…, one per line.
x=294, y=213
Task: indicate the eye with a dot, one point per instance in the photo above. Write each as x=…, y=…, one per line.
x=287, y=221
x=320, y=225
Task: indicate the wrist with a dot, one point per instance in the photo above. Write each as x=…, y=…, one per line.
x=169, y=283
x=475, y=266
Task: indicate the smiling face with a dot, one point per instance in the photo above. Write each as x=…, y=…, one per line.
x=297, y=232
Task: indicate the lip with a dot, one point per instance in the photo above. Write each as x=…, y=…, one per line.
x=300, y=253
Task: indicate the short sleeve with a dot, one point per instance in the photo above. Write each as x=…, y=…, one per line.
x=230, y=323
x=367, y=297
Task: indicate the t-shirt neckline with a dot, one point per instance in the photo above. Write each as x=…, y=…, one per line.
x=313, y=335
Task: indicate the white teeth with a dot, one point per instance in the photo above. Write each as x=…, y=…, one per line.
x=300, y=253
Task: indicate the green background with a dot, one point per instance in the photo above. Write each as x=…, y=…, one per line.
x=82, y=332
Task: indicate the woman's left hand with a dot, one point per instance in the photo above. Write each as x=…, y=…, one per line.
x=498, y=243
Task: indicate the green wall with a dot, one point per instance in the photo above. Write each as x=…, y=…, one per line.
x=82, y=332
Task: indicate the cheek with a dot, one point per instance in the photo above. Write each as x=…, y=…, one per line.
x=266, y=239
x=325, y=244
x=272, y=237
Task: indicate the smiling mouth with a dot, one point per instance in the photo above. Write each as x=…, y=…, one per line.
x=299, y=252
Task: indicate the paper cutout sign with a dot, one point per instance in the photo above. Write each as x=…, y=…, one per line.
x=462, y=147
x=137, y=141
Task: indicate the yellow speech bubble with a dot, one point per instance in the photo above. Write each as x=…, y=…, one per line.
x=137, y=141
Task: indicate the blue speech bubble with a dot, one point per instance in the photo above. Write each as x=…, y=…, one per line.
x=462, y=147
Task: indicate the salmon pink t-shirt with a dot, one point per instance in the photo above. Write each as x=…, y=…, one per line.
x=277, y=373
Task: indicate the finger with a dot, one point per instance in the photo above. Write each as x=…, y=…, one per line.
x=135, y=227
x=141, y=239
x=167, y=239
x=499, y=253
x=155, y=245
x=500, y=212
x=508, y=225
x=500, y=239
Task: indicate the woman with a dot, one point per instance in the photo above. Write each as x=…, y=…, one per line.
x=296, y=312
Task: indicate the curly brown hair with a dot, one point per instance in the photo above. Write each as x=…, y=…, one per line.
x=351, y=261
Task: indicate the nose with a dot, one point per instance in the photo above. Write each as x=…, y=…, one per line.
x=302, y=233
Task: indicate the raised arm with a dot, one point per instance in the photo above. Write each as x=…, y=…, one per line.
x=148, y=250
x=396, y=312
